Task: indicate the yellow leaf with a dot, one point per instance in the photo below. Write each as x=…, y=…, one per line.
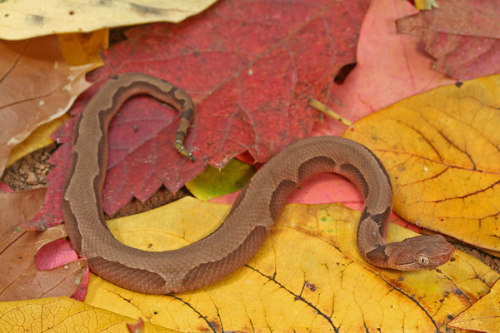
x=483, y=316
x=214, y=183
x=307, y=276
x=39, y=138
x=426, y=4
x=441, y=150
x=62, y=314
x=25, y=19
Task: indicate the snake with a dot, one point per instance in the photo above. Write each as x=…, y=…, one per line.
x=251, y=217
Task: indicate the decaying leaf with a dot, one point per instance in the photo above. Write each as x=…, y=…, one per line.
x=16, y=209
x=441, y=149
x=308, y=275
x=26, y=19
x=36, y=87
x=19, y=278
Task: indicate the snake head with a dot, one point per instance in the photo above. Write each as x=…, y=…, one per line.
x=421, y=252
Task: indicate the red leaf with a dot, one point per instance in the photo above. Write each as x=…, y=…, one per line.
x=464, y=37
x=388, y=69
x=249, y=65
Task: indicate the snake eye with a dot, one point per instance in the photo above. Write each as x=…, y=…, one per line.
x=423, y=260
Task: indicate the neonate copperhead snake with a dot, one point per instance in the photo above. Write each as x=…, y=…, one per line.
x=253, y=213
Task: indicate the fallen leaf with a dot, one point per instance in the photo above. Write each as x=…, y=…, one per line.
x=213, y=182
x=137, y=327
x=39, y=138
x=61, y=314
x=140, y=133
x=426, y=4
x=388, y=68
x=84, y=48
x=16, y=208
x=463, y=37
x=25, y=19
x=29, y=100
x=58, y=252
x=483, y=316
x=440, y=149
x=20, y=279
x=320, y=283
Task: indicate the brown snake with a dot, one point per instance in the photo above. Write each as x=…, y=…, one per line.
x=251, y=218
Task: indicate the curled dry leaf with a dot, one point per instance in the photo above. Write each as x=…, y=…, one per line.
x=36, y=87
x=26, y=19
x=307, y=276
x=441, y=150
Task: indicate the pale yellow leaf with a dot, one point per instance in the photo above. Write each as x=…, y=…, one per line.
x=26, y=19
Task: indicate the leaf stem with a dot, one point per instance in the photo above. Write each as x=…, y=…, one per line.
x=325, y=109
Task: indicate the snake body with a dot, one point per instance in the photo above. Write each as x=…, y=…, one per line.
x=251, y=218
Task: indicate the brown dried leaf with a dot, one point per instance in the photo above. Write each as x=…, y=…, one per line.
x=19, y=278
x=36, y=86
x=16, y=209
